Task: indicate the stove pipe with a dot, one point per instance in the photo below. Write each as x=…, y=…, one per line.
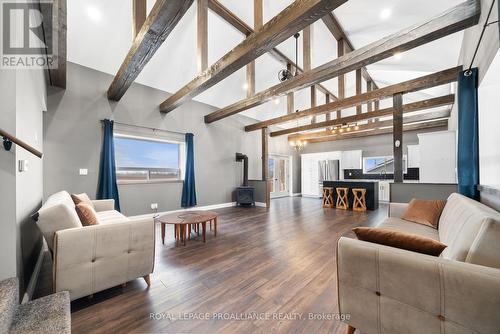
x=239, y=157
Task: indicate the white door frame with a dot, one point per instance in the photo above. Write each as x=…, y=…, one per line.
x=289, y=176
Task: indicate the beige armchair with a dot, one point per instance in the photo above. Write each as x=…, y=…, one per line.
x=389, y=290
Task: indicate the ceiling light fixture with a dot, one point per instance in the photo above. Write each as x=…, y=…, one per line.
x=244, y=86
x=385, y=13
x=276, y=101
x=94, y=13
x=398, y=56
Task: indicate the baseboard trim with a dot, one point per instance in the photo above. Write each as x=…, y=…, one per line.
x=30, y=289
x=206, y=207
x=260, y=204
x=296, y=194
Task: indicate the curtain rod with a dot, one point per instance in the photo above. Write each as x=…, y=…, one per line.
x=468, y=72
x=146, y=127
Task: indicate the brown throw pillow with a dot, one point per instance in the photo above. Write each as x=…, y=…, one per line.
x=87, y=214
x=402, y=240
x=81, y=198
x=425, y=212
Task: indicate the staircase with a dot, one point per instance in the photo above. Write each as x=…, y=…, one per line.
x=50, y=314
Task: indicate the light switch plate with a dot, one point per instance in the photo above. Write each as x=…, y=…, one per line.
x=84, y=171
x=154, y=206
x=23, y=166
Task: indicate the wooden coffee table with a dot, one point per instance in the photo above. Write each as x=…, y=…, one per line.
x=185, y=221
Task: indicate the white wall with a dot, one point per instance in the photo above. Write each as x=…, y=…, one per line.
x=489, y=122
x=486, y=52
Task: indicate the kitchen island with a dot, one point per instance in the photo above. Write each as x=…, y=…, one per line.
x=370, y=186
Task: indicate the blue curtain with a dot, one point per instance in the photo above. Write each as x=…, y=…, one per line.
x=107, y=188
x=189, y=188
x=468, y=137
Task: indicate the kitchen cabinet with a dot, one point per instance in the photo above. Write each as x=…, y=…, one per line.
x=413, y=156
x=310, y=175
x=384, y=191
x=352, y=159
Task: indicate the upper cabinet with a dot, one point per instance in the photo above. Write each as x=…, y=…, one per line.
x=413, y=156
x=352, y=159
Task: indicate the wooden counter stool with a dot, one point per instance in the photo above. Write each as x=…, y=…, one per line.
x=359, y=202
x=328, y=197
x=342, y=201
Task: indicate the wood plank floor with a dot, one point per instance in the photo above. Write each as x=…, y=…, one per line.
x=275, y=263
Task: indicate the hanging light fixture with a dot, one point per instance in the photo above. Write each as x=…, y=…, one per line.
x=298, y=144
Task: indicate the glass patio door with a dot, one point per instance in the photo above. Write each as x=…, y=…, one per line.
x=279, y=172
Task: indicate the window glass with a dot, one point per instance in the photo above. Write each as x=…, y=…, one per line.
x=144, y=159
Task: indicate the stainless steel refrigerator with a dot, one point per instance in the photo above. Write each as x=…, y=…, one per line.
x=328, y=170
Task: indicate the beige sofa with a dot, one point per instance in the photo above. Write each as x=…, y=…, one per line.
x=388, y=290
x=88, y=259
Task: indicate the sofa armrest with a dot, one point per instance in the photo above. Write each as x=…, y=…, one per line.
x=94, y=258
x=397, y=210
x=104, y=204
x=389, y=290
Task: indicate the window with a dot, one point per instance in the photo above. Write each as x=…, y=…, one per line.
x=143, y=160
x=381, y=165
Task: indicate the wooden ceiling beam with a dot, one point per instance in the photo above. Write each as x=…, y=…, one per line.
x=159, y=24
x=428, y=81
x=430, y=116
x=245, y=29
x=57, y=76
x=338, y=33
x=440, y=124
x=292, y=19
x=139, y=13
x=202, y=35
x=410, y=107
x=455, y=19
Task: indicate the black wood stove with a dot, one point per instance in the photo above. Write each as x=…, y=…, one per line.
x=245, y=195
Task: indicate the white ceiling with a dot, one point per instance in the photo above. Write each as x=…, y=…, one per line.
x=100, y=35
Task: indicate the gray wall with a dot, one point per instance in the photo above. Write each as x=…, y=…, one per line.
x=73, y=135
x=23, y=96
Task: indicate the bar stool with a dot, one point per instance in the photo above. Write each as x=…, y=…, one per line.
x=342, y=201
x=328, y=197
x=359, y=202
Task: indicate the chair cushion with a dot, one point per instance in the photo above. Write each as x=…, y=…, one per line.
x=485, y=249
x=401, y=240
x=401, y=225
x=425, y=212
x=460, y=225
x=111, y=217
x=87, y=214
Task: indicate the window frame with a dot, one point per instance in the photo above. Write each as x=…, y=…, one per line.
x=385, y=157
x=182, y=158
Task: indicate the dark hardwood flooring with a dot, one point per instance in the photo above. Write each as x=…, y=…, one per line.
x=279, y=262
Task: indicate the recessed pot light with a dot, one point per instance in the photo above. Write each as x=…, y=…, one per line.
x=385, y=13
x=94, y=13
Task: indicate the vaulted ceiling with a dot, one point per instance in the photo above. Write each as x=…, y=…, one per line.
x=100, y=35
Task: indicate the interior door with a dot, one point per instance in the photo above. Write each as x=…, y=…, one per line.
x=279, y=172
